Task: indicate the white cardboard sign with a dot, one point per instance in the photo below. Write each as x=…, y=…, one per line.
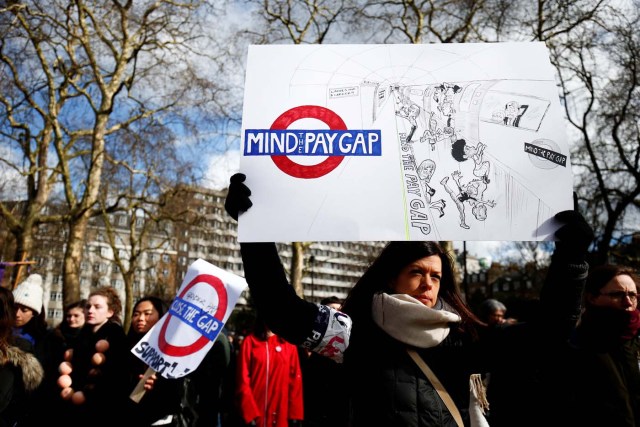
x=176, y=345
x=403, y=142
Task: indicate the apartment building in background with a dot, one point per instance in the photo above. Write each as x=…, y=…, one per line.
x=205, y=232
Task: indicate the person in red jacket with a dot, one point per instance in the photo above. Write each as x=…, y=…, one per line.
x=269, y=380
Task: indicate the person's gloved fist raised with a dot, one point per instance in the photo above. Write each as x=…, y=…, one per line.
x=237, y=200
x=574, y=236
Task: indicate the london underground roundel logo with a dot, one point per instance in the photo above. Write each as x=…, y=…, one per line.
x=181, y=351
x=331, y=119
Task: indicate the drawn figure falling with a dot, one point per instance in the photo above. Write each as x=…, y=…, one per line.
x=461, y=151
x=425, y=172
x=408, y=110
x=472, y=193
x=443, y=96
x=435, y=134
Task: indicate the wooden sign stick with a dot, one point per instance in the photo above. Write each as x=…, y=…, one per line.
x=139, y=390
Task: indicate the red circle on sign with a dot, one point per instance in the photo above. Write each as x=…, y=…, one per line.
x=331, y=119
x=180, y=351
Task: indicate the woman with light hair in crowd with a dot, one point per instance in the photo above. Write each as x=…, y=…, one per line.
x=96, y=380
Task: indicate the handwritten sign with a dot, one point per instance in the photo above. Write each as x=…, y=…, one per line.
x=179, y=341
x=403, y=142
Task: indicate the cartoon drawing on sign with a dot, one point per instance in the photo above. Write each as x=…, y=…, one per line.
x=513, y=112
x=462, y=152
x=436, y=133
x=509, y=108
x=407, y=109
x=441, y=119
x=425, y=172
x=471, y=192
x=421, y=100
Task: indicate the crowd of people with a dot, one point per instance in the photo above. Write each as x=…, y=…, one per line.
x=413, y=353
x=403, y=349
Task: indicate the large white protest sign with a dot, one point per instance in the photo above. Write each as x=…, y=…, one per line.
x=403, y=142
x=179, y=341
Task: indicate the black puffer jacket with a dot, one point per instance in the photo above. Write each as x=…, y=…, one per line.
x=605, y=371
x=388, y=388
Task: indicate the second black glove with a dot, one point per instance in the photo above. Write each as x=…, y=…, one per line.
x=237, y=200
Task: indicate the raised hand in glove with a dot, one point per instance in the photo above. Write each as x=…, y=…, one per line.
x=237, y=200
x=574, y=237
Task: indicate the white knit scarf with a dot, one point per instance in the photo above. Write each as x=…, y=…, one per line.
x=411, y=322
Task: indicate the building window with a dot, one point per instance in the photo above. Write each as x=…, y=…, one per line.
x=55, y=296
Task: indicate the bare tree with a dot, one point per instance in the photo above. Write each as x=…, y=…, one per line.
x=140, y=185
x=599, y=76
x=447, y=21
x=308, y=21
x=75, y=76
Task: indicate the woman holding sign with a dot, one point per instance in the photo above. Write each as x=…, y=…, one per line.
x=160, y=405
x=415, y=350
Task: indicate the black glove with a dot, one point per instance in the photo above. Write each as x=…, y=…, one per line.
x=294, y=423
x=574, y=237
x=237, y=200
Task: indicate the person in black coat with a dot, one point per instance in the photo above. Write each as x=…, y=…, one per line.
x=98, y=390
x=162, y=403
x=605, y=349
x=20, y=371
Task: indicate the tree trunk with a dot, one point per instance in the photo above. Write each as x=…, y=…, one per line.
x=24, y=248
x=297, y=266
x=73, y=258
x=128, y=302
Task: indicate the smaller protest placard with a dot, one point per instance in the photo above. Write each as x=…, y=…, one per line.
x=177, y=344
